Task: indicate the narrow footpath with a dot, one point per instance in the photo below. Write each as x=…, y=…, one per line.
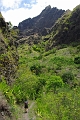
x=26, y=115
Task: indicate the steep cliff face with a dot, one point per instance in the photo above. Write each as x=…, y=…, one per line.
x=8, y=53
x=8, y=65
x=41, y=23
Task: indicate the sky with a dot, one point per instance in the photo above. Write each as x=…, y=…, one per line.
x=16, y=11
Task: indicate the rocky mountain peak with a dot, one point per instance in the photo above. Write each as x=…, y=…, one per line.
x=41, y=23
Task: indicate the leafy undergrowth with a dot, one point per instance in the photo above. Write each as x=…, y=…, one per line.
x=64, y=105
x=51, y=78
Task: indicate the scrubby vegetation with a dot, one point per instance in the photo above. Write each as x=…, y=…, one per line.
x=52, y=80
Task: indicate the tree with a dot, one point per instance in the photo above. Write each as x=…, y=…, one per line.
x=10, y=26
x=68, y=77
x=77, y=60
x=53, y=83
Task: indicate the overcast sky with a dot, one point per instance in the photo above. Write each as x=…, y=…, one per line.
x=19, y=10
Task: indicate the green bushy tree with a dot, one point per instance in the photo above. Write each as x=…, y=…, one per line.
x=36, y=69
x=67, y=77
x=53, y=83
x=77, y=60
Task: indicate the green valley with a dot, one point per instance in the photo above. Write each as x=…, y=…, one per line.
x=44, y=69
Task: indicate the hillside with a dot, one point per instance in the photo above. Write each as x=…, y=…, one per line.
x=8, y=66
x=66, y=29
x=50, y=78
x=41, y=23
x=8, y=52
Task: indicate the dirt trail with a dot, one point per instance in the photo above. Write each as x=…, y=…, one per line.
x=26, y=115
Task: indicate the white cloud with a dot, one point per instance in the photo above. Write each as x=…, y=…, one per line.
x=10, y=3
x=19, y=14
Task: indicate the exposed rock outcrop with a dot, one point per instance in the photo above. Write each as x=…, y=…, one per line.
x=8, y=65
x=8, y=53
x=41, y=23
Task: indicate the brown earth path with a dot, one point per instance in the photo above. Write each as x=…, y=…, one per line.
x=26, y=115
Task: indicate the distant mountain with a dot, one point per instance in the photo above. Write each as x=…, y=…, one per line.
x=61, y=27
x=41, y=23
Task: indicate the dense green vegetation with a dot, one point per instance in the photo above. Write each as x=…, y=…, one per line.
x=51, y=79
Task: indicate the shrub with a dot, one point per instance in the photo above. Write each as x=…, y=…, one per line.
x=7, y=91
x=64, y=105
x=25, y=87
x=36, y=69
x=54, y=82
x=77, y=60
x=67, y=77
x=50, y=52
x=62, y=61
x=35, y=48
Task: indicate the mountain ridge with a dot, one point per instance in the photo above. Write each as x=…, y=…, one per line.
x=66, y=29
x=41, y=23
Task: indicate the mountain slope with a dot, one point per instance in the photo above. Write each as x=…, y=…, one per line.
x=8, y=67
x=63, y=29
x=66, y=29
x=40, y=23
